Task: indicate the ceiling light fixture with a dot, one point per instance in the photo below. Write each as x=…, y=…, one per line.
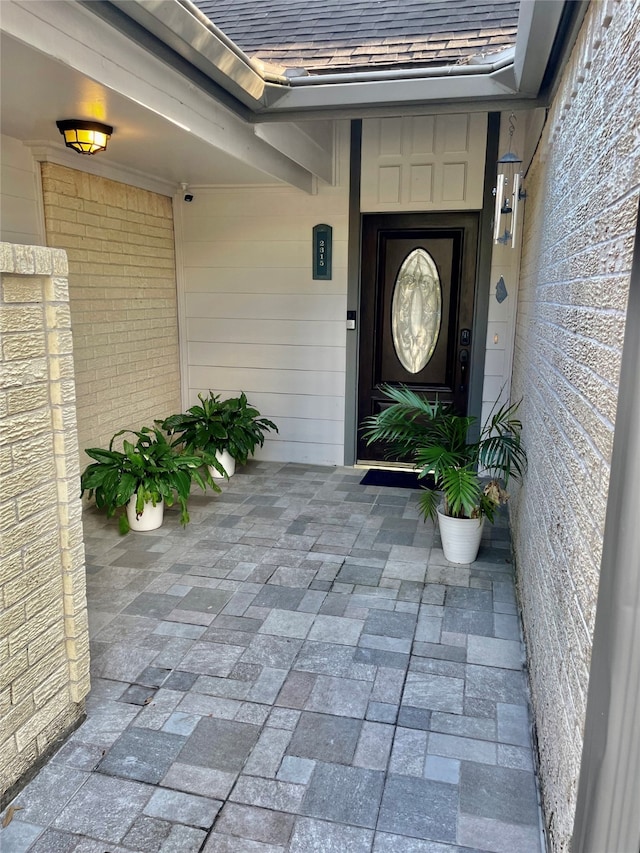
x=85, y=137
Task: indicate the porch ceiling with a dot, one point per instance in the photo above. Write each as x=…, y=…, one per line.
x=45, y=90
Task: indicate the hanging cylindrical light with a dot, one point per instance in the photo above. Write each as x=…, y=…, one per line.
x=85, y=137
x=508, y=193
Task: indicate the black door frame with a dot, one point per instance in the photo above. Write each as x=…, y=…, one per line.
x=380, y=231
x=483, y=281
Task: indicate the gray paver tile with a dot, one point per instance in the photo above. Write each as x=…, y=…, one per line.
x=325, y=737
x=255, y=823
x=211, y=658
x=433, y=692
x=104, y=808
x=517, y=757
x=296, y=689
x=482, y=728
x=198, y=703
x=199, y=780
x=382, y=712
x=147, y=834
x=451, y=746
x=179, y=807
x=360, y=794
x=499, y=685
x=498, y=793
x=48, y=793
x=287, y=623
x=386, y=843
x=409, y=752
x=294, y=769
x=342, y=696
x=268, y=752
x=388, y=624
x=217, y=843
x=492, y=651
x=442, y=769
x=19, y=836
x=497, y=836
x=183, y=839
x=267, y=685
x=374, y=746
x=267, y=650
x=142, y=754
x=513, y=724
x=268, y=794
x=219, y=744
x=51, y=841
x=336, y=629
x=381, y=657
x=317, y=835
x=420, y=808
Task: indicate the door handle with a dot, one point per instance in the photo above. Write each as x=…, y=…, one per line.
x=464, y=363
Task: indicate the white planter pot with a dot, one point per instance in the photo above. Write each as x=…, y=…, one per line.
x=460, y=537
x=150, y=518
x=228, y=463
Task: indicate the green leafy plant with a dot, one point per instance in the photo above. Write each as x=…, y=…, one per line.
x=216, y=425
x=435, y=439
x=150, y=468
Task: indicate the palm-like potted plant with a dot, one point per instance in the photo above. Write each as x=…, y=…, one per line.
x=226, y=432
x=470, y=475
x=144, y=476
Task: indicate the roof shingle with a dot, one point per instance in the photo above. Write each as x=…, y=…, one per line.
x=349, y=35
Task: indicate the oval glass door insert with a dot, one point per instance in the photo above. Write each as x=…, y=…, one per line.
x=416, y=310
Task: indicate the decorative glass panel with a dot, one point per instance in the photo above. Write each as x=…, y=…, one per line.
x=416, y=310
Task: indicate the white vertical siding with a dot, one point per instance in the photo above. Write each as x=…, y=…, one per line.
x=256, y=321
x=501, y=318
x=20, y=207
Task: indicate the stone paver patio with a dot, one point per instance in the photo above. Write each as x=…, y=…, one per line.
x=298, y=670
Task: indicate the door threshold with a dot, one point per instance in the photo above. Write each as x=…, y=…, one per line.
x=386, y=466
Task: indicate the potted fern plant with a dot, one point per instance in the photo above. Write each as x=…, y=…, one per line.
x=225, y=432
x=470, y=475
x=143, y=477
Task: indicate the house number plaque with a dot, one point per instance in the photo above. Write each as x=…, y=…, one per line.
x=322, y=252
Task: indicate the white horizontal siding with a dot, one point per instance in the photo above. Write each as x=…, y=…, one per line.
x=20, y=217
x=251, y=379
x=271, y=280
x=268, y=306
x=258, y=254
x=255, y=319
x=267, y=356
x=291, y=332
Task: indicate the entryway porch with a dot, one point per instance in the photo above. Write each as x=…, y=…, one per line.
x=297, y=670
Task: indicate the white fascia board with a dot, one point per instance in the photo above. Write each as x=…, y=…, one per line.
x=312, y=150
x=538, y=22
x=177, y=27
x=77, y=38
x=399, y=93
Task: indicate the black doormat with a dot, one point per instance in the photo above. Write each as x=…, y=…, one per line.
x=396, y=479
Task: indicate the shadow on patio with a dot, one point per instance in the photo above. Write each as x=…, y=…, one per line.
x=297, y=670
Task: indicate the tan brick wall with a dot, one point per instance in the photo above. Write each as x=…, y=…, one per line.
x=122, y=287
x=580, y=218
x=44, y=642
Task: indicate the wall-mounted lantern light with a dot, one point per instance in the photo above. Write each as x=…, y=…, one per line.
x=85, y=137
x=508, y=193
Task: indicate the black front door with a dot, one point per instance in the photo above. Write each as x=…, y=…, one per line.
x=416, y=309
